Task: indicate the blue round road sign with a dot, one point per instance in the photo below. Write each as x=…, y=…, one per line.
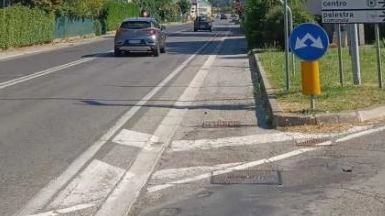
x=309, y=41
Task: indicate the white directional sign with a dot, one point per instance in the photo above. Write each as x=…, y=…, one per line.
x=353, y=11
x=303, y=42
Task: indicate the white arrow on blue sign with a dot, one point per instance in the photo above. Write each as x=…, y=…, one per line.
x=309, y=41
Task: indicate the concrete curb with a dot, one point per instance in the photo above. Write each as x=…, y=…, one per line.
x=281, y=119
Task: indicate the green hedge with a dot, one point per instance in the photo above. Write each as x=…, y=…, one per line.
x=22, y=26
x=114, y=12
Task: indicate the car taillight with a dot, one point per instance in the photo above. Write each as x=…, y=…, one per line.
x=150, y=31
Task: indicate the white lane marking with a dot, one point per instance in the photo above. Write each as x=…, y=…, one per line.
x=128, y=190
x=45, y=194
x=94, y=183
x=183, y=30
x=327, y=143
x=169, y=174
x=133, y=138
x=360, y=134
x=228, y=170
x=263, y=161
x=66, y=210
x=188, y=145
x=43, y=73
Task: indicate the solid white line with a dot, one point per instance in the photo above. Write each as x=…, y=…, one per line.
x=360, y=134
x=263, y=161
x=127, y=191
x=66, y=210
x=228, y=170
x=45, y=194
x=43, y=73
x=167, y=174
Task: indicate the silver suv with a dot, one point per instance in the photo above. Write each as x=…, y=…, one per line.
x=142, y=34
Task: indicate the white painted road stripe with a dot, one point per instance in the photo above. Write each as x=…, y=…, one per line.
x=133, y=138
x=66, y=210
x=93, y=184
x=178, y=173
x=264, y=161
x=43, y=73
x=189, y=145
x=46, y=194
x=125, y=194
x=228, y=170
x=360, y=134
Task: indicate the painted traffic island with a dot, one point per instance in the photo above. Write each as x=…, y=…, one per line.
x=336, y=103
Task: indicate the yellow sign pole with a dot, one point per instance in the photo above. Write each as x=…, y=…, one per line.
x=311, y=80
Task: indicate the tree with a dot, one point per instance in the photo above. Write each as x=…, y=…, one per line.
x=264, y=21
x=184, y=6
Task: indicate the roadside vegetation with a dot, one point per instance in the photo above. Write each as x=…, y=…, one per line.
x=28, y=22
x=334, y=98
x=263, y=23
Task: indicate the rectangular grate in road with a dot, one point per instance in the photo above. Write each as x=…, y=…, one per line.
x=258, y=177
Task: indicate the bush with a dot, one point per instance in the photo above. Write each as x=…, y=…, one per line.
x=263, y=22
x=22, y=26
x=114, y=12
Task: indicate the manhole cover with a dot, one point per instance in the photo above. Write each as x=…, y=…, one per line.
x=260, y=177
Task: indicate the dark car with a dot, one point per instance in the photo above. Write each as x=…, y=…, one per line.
x=202, y=23
x=223, y=17
x=142, y=34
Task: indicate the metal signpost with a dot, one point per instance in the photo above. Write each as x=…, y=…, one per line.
x=340, y=62
x=353, y=12
x=309, y=42
x=286, y=27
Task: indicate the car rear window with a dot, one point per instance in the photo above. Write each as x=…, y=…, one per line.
x=202, y=18
x=136, y=25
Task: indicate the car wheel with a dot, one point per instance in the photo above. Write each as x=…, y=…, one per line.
x=163, y=49
x=195, y=30
x=156, y=51
x=117, y=52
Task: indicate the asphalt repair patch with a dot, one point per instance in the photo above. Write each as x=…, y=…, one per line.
x=257, y=177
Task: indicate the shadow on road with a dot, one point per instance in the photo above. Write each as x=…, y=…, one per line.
x=185, y=47
x=190, y=46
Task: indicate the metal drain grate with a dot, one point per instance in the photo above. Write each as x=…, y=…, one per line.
x=259, y=177
x=311, y=142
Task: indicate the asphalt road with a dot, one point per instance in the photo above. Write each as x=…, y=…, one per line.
x=48, y=121
x=346, y=178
